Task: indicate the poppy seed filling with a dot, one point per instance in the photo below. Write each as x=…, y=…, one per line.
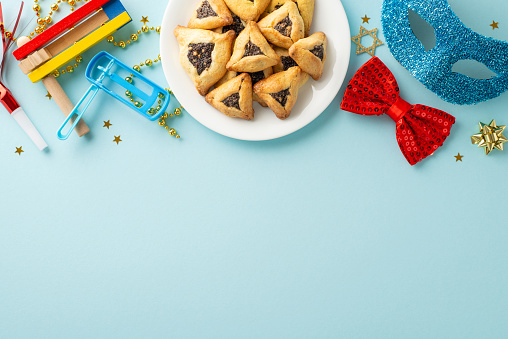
x=281, y=97
x=287, y=62
x=200, y=56
x=236, y=26
x=251, y=49
x=257, y=77
x=318, y=51
x=284, y=27
x=233, y=101
x=205, y=10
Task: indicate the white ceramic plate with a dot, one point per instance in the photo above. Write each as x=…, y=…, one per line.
x=313, y=98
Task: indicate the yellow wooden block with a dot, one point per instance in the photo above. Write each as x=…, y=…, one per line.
x=79, y=47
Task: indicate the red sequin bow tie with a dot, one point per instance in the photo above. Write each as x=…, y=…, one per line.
x=420, y=129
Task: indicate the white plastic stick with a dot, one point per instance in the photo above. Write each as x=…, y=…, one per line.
x=25, y=123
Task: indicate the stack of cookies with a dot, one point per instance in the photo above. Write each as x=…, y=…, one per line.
x=251, y=50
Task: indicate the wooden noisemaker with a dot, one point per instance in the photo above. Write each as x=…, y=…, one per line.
x=64, y=41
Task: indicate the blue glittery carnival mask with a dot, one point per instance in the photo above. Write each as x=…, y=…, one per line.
x=454, y=42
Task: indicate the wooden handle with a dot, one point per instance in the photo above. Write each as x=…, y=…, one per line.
x=63, y=101
x=57, y=93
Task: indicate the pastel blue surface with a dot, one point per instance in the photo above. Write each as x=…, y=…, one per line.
x=327, y=233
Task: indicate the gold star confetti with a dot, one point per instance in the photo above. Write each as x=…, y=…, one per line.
x=494, y=25
x=458, y=157
x=107, y=124
x=19, y=150
x=117, y=139
x=365, y=19
x=490, y=136
x=144, y=20
x=48, y=96
x=358, y=41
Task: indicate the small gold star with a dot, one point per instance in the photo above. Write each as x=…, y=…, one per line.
x=107, y=124
x=48, y=96
x=494, y=25
x=19, y=150
x=117, y=139
x=358, y=41
x=458, y=157
x=144, y=20
x=365, y=19
x=490, y=136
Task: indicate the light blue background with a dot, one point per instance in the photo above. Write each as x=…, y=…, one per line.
x=327, y=233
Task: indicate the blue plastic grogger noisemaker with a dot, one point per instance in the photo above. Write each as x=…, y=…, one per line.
x=102, y=72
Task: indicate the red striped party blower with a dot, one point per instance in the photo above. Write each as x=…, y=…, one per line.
x=420, y=129
x=6, y=96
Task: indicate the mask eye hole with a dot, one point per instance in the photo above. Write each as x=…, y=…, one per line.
x=424, y=32
x=473, y=69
